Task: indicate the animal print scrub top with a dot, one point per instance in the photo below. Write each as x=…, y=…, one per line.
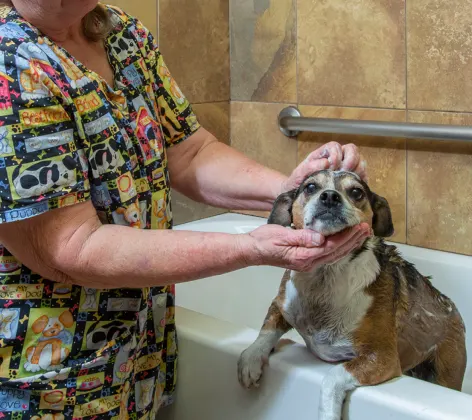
x=70, y=352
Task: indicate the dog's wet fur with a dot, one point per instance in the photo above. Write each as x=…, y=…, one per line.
x=371, y=311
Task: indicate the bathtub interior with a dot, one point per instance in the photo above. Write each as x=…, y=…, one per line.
x=243, y=297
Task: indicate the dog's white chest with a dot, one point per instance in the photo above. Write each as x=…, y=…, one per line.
x=326, y=313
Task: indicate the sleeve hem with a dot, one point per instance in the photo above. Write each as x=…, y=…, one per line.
x=180, y=140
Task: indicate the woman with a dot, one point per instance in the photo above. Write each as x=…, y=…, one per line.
x=92, y=128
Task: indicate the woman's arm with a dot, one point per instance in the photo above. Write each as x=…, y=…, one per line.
x=211, y=172
x=70, y=245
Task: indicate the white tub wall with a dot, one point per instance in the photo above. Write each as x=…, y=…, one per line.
x=243, y=297
x=208, y=388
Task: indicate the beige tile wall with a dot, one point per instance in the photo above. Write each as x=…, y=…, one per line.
x=263, y=50
x=351, y=53
x=387, y=60
x=194, y=40
x=390, y=60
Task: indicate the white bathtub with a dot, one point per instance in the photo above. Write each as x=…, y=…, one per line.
x=219, y=317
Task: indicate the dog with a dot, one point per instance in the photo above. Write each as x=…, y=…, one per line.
x=48, y=353
x=131, y=214
x=90, y=301
x=371, y=312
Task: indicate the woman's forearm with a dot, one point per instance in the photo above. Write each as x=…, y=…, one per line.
x=117, y=256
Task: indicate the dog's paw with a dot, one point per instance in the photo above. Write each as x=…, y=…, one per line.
x=250, y=367
x=30, y=367
x=55, y=367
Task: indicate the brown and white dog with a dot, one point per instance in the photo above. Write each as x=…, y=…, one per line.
x=371, y=310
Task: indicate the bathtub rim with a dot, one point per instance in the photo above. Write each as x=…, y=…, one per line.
x=404, y=395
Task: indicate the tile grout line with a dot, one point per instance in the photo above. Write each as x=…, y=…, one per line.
x=406, y=55
x=406, y=120
x=158, y=23
x=230, y=100
x=297, y=70
x=344, y=106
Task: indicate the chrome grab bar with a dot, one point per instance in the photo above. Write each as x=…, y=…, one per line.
x=291, y=123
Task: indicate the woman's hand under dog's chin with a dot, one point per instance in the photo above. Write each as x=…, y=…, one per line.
x=299, y=250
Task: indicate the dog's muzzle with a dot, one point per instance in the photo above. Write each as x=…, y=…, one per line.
x=328, y=213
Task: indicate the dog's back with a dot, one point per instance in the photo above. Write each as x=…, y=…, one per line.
x=430, y=329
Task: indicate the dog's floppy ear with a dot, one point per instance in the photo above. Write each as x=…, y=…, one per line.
x=382, y=223
x=40, y=324
x=281, y=213
x=66, y=318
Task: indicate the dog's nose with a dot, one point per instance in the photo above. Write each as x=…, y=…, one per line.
x=330, y=199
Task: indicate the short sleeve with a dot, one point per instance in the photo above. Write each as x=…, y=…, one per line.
x=177, y=118
x=42, y=164
x=175, y=112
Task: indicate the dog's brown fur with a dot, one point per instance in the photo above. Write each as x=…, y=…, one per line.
x=408, y=326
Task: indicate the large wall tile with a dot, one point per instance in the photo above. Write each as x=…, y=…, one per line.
x=263, y=50
x=144, y=10
x=215, y=118
x=194, y=39
x=351, y=53
x=386, y=157
x=439, y=55
x=254, y=132
x=440, y=188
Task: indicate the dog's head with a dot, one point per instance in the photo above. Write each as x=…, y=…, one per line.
x=51, y=327
x=331, y=201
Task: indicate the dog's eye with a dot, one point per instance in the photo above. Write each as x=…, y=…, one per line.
x=310, y=188
x=356, y=194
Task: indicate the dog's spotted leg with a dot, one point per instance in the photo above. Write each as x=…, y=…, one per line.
x=253, y=359
x=336, y=384
x=377, y=361
x=368, y=369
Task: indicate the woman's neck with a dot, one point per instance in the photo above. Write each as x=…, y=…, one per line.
x=58, y=22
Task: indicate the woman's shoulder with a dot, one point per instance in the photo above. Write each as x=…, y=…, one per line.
x=127, y=27
x=122, y=20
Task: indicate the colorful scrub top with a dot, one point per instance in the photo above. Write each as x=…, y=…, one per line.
x=70, y=352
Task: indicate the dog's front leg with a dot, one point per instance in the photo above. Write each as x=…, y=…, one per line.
x=369, y=369
x=253, y=359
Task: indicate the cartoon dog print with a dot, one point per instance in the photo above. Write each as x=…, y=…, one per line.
x=123, y=46
x=131, y=214
x=54, y=416
x=101, y=334
x=175, y=91
x=90, y=299
x=144, y=392
x=124, y=402
x=105, y=157
x=43, y=176
x=160, y=211
x=48, y=353
x=8, y=322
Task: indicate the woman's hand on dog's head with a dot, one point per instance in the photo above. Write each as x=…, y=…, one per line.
x=329, y=156
x=301, y=250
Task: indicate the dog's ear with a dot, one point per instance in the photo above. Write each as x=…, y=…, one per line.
x=40, y=324
x=66, y=319
x=382, y=223
x=281, y=213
